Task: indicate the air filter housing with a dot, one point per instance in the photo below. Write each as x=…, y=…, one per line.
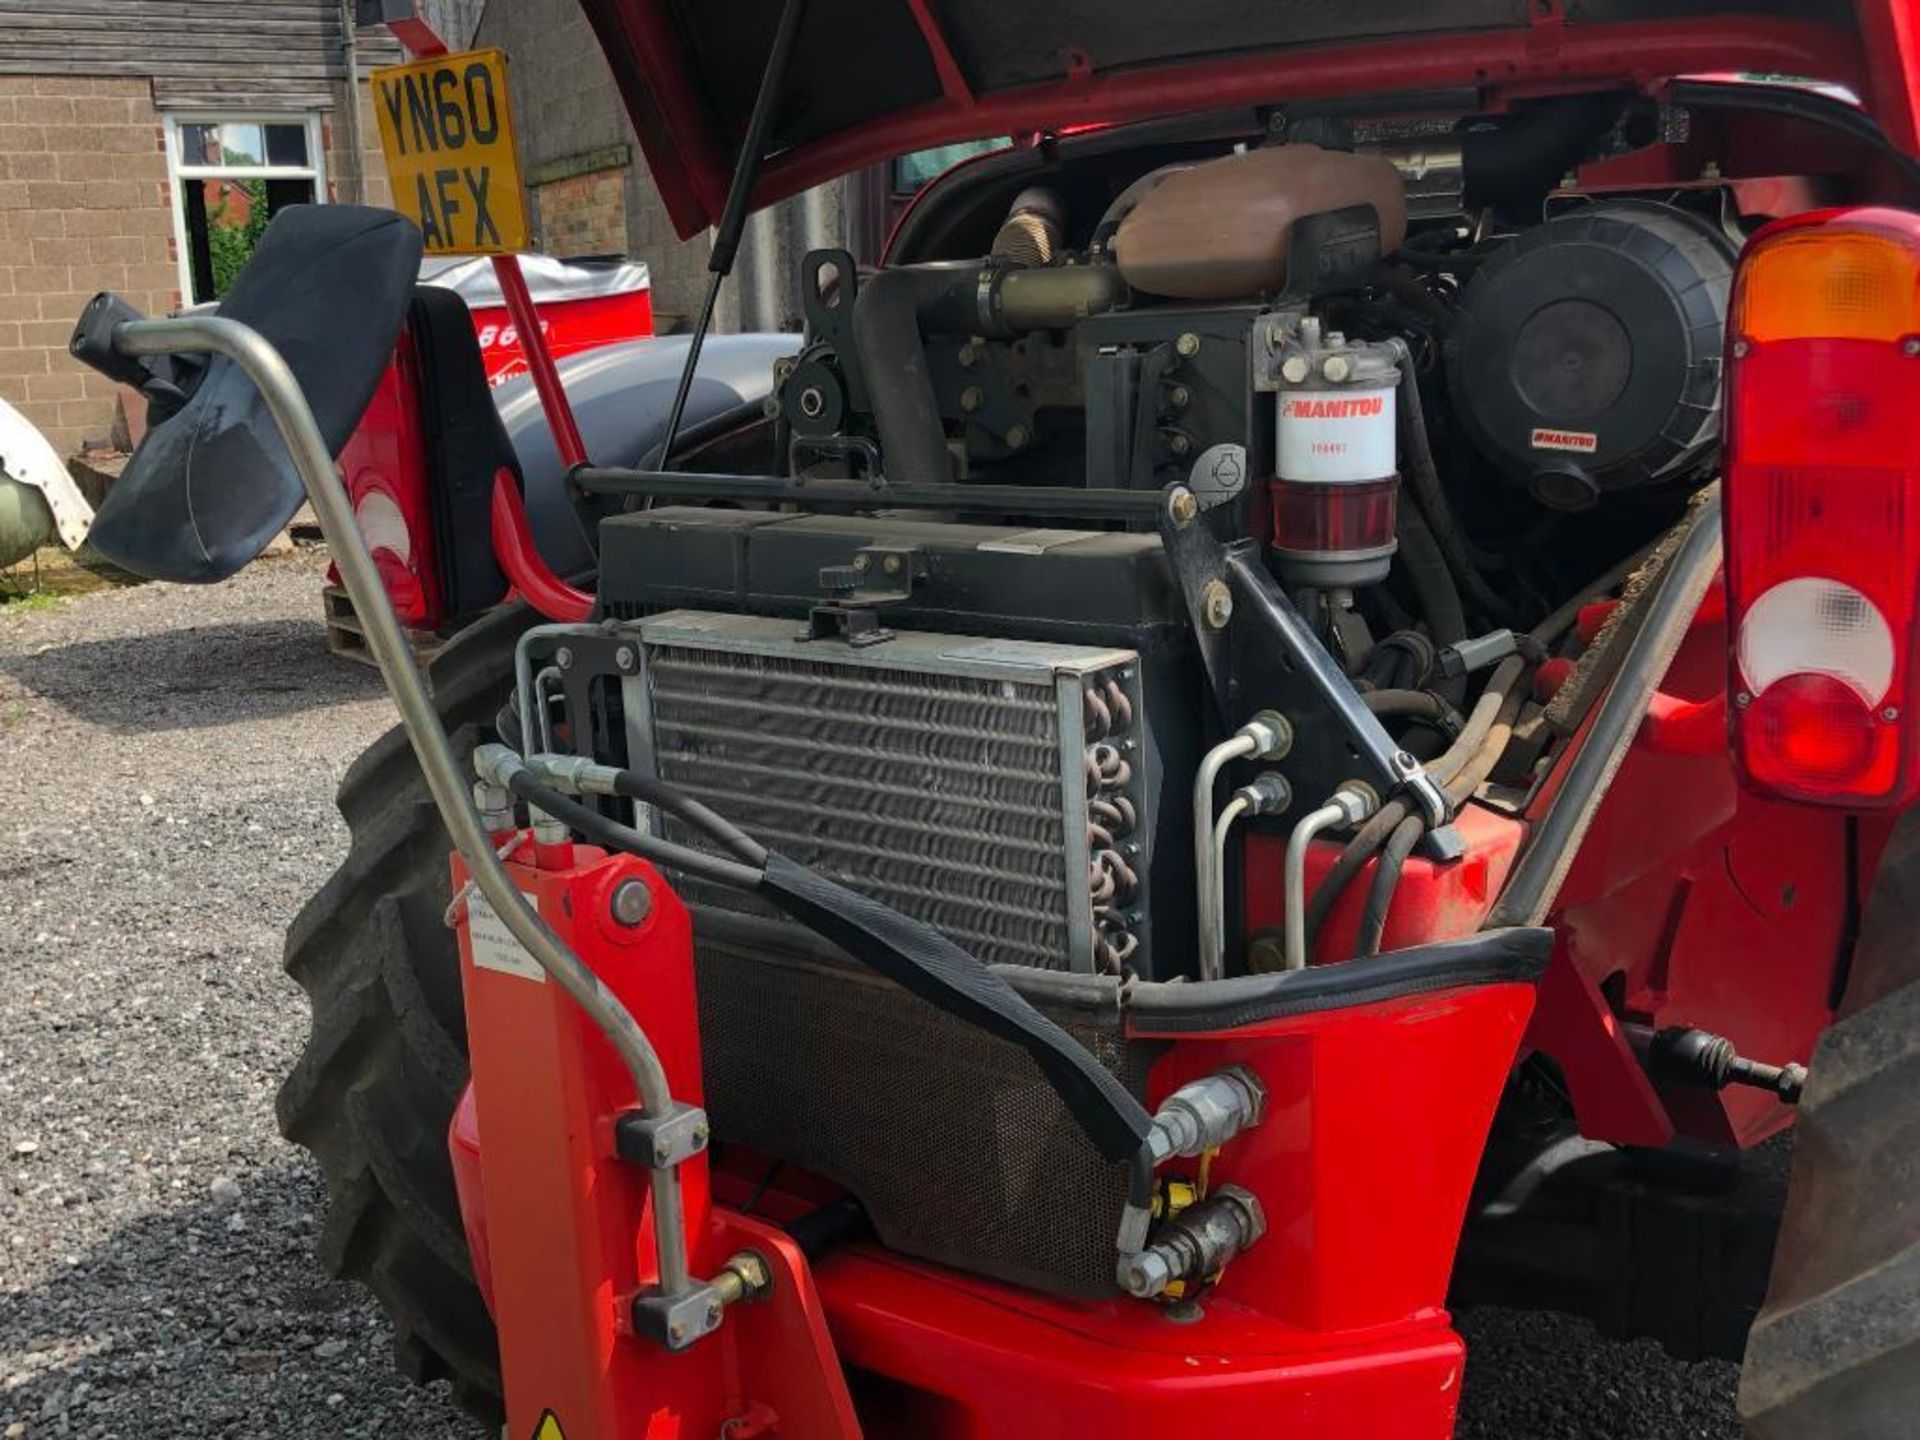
x=1588, y=354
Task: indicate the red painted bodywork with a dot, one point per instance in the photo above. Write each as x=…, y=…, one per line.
x=529, y=574
x=691, y=154
x=1332, y=1323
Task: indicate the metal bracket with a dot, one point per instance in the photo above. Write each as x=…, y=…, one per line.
x=880, y=575
x=1261, y=654
x=680, y=1319
x=672, y=1139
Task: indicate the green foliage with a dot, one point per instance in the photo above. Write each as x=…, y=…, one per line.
x=230, y=243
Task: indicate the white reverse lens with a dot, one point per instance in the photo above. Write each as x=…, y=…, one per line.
x=1816, y=626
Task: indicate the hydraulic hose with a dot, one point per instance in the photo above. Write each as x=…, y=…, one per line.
x=1386, y=880
x=1423, y=477
x=1526, y=153
x=614, y=836
x=1358, y=851
x=1410, y=704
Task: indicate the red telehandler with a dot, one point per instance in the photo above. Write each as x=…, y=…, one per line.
x=1305, y=707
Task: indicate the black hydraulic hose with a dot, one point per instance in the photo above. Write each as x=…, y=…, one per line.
x=1357, y=852
x=733, y=217
x=615, y=836
x=1422, y=475
x=1527, y=153
x=1416, y=704
x=708, y=822
x=1425, y=567
x=1386, y=880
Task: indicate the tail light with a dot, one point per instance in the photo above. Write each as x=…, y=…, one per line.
x=1822, y=507
x=384, y=466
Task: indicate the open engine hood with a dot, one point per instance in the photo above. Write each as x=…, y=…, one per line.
x=872, y=79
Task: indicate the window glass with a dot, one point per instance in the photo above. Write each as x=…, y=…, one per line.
x=224, y=210
x=286, y=145
x=912, y=172
x=225, y=143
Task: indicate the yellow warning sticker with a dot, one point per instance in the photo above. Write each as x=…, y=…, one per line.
x=446, y=126
x=549, y=1428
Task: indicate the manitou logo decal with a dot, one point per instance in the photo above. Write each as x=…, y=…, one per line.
x=1581, y=442
x=1314, y=407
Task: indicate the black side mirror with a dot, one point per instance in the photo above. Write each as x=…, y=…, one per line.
x=211, y=483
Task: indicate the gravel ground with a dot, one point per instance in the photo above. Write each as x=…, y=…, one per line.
x=168, y=758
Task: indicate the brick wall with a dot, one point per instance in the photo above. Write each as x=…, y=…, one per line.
x=583, y=214
x=84, y=206
x=566, y=107
x=342, y=163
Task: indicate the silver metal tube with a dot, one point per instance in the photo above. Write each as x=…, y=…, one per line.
x=1206, y=873
x=551, y=672
x=523, y=683
x=1536, y=879
x=1216, y=898
x=1294, y=879
x=202, y=334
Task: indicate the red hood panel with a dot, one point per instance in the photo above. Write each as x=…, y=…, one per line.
x=872, y=79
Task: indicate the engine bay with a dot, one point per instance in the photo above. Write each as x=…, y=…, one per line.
x=1341, y=420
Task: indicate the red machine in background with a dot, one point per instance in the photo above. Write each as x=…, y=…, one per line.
x=584, y=303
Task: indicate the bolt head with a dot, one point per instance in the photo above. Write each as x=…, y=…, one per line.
x=626, y=659
x=1216, y=604
x=1910, y=347
x=677, y=1331
x=862, y=562
x=1188, y=345
x=891, y=564
x=1294, y=369
x=1179, y=444
x=1183, y=506
x=632, y=902
x=1179, y=397
x=972, y=398
x=1017, y=437
x=1337, y=368
x=563, y=657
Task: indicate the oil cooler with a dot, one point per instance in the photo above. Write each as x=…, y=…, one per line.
x=998, y=790
x=994, y=789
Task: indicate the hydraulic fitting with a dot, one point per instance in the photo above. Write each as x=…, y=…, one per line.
x=1685, y=1056
x=495, y=805
x=1206, y=1113
x=1199, y=1242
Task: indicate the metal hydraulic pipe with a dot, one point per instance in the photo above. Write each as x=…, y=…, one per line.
x=523, y=680
x=209, y=334
x=1215, y=899
x=1266, y=735
x=1536, y=879
x=1347, y=807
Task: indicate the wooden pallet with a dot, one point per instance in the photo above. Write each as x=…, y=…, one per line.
x=347, y=638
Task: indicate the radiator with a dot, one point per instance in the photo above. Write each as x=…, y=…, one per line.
x=991, y=788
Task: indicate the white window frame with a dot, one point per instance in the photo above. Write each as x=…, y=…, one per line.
x=179, y=172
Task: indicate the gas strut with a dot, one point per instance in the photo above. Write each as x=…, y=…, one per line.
x=733, y=219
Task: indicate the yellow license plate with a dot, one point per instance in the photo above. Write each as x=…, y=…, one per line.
x=446, y=125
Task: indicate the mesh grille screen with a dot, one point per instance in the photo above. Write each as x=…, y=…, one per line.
x=960, y=1152
x=939, y=795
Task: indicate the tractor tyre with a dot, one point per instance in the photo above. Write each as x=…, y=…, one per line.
x=1835, y=1352
x=373, y=1091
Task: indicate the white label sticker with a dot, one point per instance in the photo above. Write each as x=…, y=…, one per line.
x=494, y=947
x=1581, y=442
x=1218, y=475
x=1330, y=437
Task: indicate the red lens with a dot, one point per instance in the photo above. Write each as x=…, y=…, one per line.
x=1813, y=734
